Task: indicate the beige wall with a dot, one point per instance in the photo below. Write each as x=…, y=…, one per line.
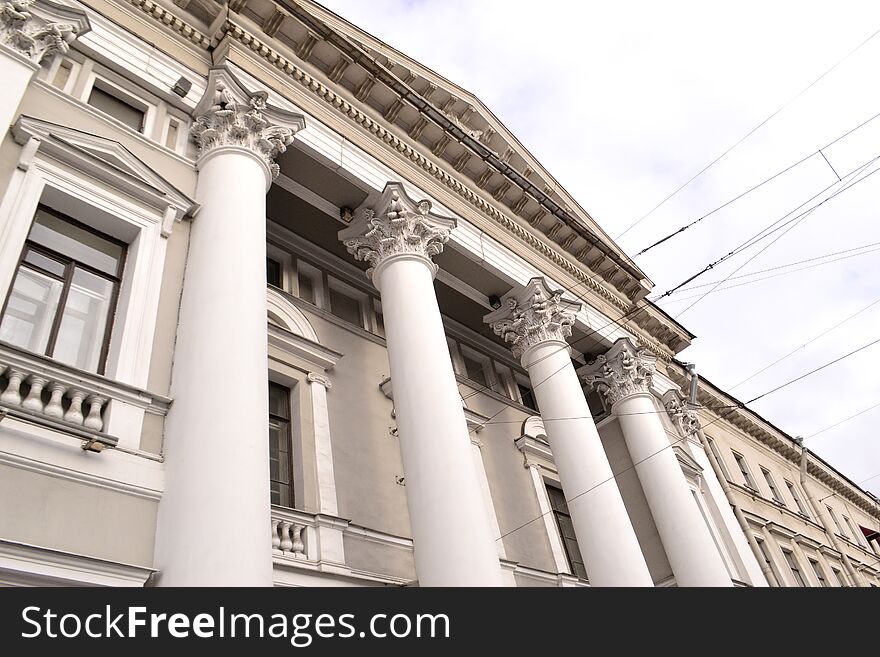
x=49, y=511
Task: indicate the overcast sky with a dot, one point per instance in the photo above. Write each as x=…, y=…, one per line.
x=624, y=102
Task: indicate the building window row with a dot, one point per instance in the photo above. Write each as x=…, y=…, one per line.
x=313, y=285
x=121, y=100
x=749, y=481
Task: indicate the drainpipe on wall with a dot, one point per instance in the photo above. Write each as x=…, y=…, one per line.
x=817, y=511
x=725, y=486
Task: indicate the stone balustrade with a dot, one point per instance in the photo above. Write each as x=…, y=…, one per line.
x=288, y=532
x=37, y=389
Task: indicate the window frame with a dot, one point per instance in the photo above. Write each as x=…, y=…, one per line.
x=745, y=471
x=70, y=265
x=840, y=531
x=123, y=95
x=819, y=572
x=288, y=436
x=555, y=512
x=361, y=298
x=775, y=493
x=798, y=500
x=795, y=567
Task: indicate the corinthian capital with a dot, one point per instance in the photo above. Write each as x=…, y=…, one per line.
x=396, y=225
x=682, y=416
x=622, y=372
x=38, y=29
x=230, y=115
x=532, y=314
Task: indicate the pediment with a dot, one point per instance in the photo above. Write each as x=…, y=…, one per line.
x=104, y=158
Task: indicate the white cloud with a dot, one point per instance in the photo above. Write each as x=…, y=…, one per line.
x=623, y=102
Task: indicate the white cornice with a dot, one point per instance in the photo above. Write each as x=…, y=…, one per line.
x=22, y=564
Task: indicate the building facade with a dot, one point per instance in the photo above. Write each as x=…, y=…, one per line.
x=260, y=271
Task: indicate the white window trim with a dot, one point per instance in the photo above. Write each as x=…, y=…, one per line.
x=485, y=363
x=363, y=300
x=315, y=275
x=125, y=93
x=790, y=551
x=745, y=471
x=795, y=493
x=775, y=493
x=52, y=71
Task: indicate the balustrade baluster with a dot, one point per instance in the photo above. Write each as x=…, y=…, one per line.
x=54, y=408
x=94, y=420
x=286, y=543
x=74, y=413
x=12, y=394
x=276, y=539
x=296, y=534
x=34, y=400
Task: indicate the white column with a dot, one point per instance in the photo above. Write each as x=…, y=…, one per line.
x=31, y=31
x=452, y=539
x=216, y=506
x=536, y=321
x=624, y=375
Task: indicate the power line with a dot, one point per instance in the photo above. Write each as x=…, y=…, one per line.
x=762, y=278
x=774, y=227
x=846, y=419
x=729, y=408
x=818, y=369
x=746, y=136
x=790, y=264
x=808, y=342
x=759, y=185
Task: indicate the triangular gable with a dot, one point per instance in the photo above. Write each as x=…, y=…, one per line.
x=105, y=159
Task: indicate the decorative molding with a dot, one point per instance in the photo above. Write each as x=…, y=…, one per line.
x=683, y=417
x=105, y=159
x=396, y=225
x=38, y=29
x=289, y=67
x=621, y=372
x=531, y=315
x=22, y=564
x=314, y=377
x=230, y=115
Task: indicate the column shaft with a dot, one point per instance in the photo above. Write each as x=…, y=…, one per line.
x=453, y=542
x=605, y=534
x=215, y=511
x=16, y=72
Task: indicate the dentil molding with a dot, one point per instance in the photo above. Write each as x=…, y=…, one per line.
x=532, y=314
x=621, y=372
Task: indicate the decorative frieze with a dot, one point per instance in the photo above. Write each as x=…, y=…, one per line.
x=622, y=372
x=396, y=225
x=39, y=29
x=229, y=115
x=532, y=314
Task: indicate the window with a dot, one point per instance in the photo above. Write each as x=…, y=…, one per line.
x=744, y=469
x=795, y=568
x=526, y=394
x=838, y=574
x=852, y=530
x=566, y=531
x=836, y=521
x=345, y=306
x=379, y=327
x=475, y=367
x=777, y=496
x=309, y=283
x=765, y=552
x=62, y=74
x=172, y=134
x=717, y=454
x=110, y=102
x=280, y=462
x=273, y=272
x=797, y=498
x=63, y=297
x=818, y=570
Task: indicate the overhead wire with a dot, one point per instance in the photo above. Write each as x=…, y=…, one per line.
x=747, y=135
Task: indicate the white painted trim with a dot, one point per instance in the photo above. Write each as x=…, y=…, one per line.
x=41, y=450
x=22, y=564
